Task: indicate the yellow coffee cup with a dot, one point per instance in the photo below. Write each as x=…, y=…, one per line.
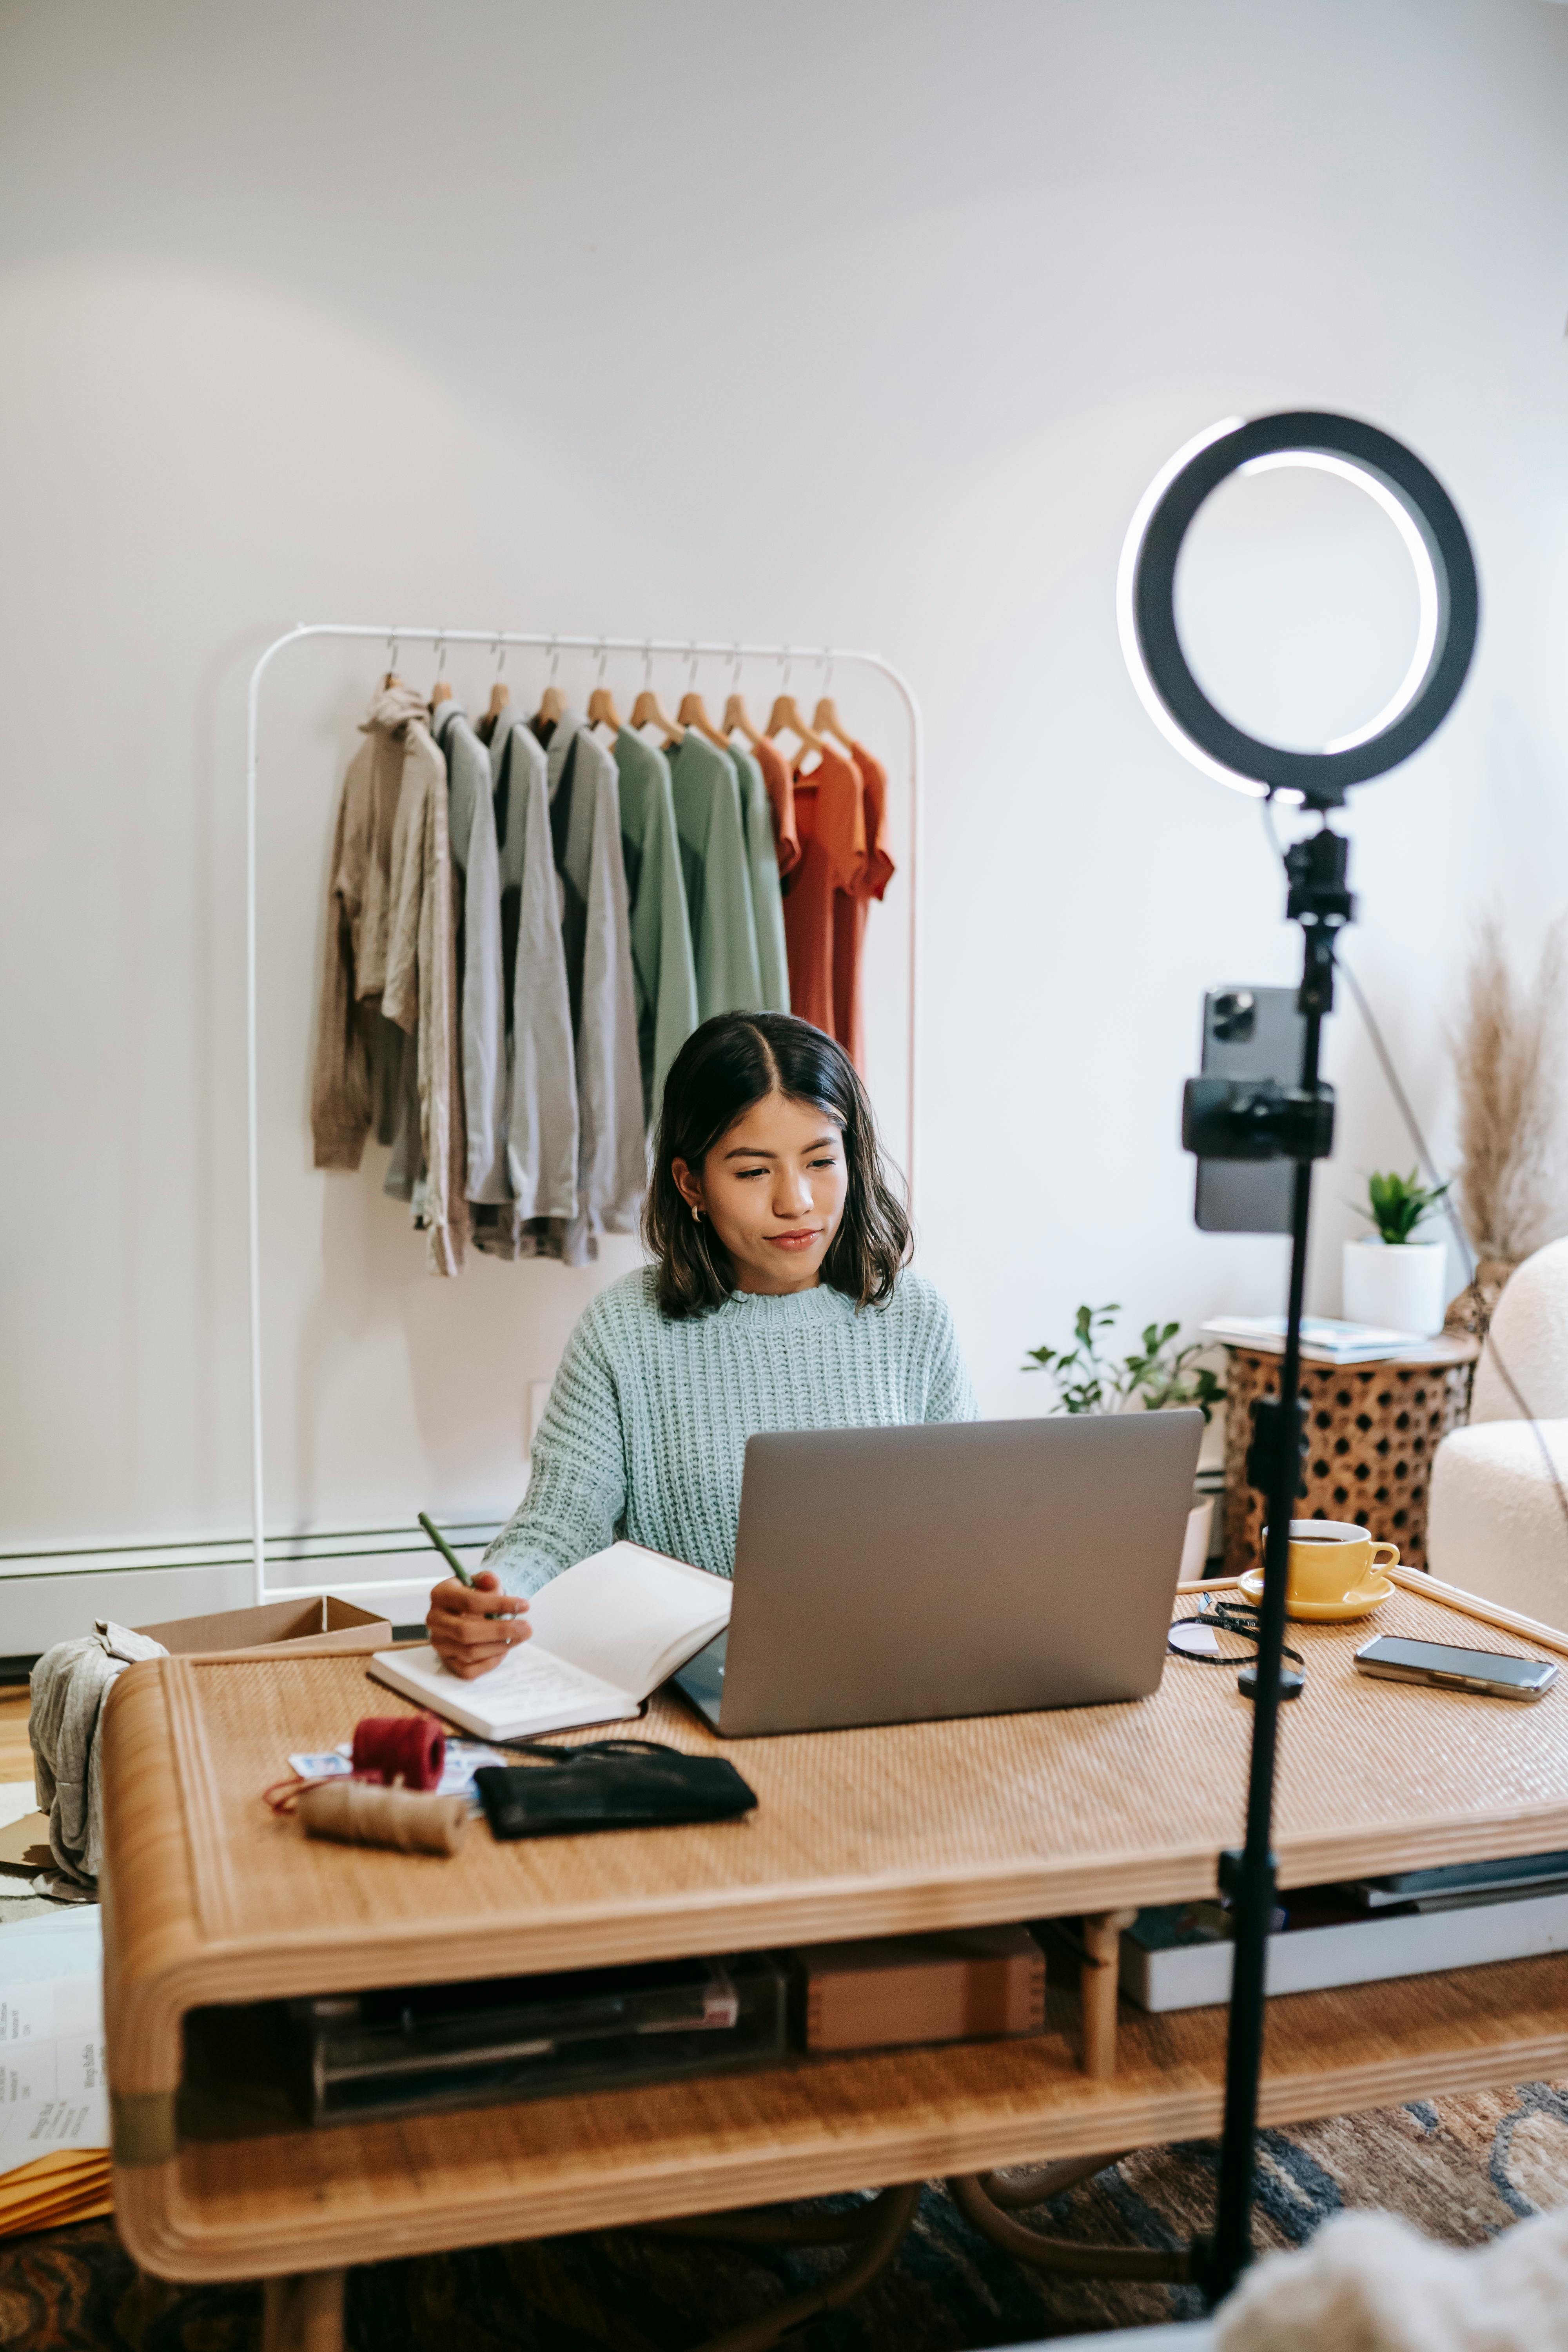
x=1330, y=1560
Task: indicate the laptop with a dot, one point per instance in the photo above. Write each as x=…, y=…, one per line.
x=959, y=1568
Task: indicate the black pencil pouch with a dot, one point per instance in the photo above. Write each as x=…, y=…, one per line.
x=610, y=1784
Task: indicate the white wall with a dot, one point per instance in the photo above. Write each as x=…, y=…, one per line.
x=855, y=319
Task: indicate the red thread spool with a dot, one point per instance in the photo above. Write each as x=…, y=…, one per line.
x=407, y=1747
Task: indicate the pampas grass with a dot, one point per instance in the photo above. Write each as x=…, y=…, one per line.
x=1510, y=1056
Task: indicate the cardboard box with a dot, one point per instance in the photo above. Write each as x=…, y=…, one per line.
x=25, y=1847
x=966, y=1984
x=281, y=1629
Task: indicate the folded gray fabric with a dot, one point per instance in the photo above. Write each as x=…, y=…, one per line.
x=69, y=1685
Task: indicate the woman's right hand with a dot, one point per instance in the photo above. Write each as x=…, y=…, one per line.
x=473, y=1628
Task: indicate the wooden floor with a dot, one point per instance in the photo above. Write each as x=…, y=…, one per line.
x=16, y=1755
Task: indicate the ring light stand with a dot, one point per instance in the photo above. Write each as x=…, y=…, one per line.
x=1234, y=1119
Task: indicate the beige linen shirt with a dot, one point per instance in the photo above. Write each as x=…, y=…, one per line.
x=421, y=991
x=359, y=921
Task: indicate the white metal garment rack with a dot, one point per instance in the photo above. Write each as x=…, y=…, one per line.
x=693, y=649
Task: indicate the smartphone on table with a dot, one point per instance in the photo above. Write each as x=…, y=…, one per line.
x=1399, y=1661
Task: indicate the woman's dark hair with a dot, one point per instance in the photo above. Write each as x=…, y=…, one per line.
x=725, y=1067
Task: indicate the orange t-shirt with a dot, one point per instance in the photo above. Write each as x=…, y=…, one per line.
x=850, y=912
x=831, y=819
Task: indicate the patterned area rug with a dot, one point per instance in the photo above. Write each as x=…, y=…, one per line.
x=1460, y=2169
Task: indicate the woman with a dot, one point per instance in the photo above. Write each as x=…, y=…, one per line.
x=776, y=1300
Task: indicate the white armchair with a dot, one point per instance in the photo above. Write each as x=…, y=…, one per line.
x=1495, y=1524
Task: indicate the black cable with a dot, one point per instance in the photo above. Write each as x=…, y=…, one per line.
x=1434, y=1177
x=1231, y=1617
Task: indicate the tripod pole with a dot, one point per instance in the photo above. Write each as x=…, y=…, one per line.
x=1320, y=901
x=1249, y=1879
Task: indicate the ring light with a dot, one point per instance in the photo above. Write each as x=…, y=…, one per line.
x=1447, y=601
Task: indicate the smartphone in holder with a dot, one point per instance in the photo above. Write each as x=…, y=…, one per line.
x=1399, y=1661
x=1248, y=1033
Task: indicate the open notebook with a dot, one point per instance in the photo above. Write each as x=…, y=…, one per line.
x=605, y=1633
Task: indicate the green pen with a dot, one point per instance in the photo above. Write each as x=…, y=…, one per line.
x=454, y=1563
x=445, y=1549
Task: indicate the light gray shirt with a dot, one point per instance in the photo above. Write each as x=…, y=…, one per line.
x=68, y=1687
x=471, y=816
x=541, y=1122
x=595, y=924
x=763, y=867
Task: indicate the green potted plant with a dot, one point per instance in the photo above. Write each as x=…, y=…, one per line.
x=1149, y=1378
x=1391, y=1278
x=1160, y=1373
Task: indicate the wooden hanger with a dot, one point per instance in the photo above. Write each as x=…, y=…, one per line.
x=646, y=712
x=785, y=715
x=500, y=693
x=601, y=711
x=737, y=720
x=693, y=712
x=552, y=702
x=827, y=721
x=442, y=690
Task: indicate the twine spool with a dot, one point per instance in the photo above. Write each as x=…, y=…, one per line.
x=407, y=1747
x=356, y=1812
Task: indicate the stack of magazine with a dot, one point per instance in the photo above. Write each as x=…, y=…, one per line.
x=415, y=2048
x=1324, y=1338
x=1414, y=1923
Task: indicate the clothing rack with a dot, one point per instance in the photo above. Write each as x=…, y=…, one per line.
x=693, y=649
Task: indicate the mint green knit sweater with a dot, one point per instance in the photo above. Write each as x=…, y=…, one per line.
x=646, y=1430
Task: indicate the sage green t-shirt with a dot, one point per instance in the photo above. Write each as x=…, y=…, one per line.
x=714, y=868
x=762, y=864
x=662, y=961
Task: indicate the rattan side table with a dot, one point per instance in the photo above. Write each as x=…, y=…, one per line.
x=1371, y=1431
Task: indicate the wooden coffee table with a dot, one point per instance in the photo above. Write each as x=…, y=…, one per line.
x=210, y=1899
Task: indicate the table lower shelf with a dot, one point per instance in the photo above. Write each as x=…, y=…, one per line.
x=297, y=2199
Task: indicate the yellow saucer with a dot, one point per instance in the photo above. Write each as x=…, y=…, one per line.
x=1360, y=1603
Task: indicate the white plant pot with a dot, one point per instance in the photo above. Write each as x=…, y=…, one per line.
x=1400, y=1286
x=1195, y=1546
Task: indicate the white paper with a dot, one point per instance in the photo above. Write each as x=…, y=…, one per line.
x=17, y=1799
x=605, y=1634
x=53, y=2095
x=630, y=1616
x=530, y=1689
x=43, y=2012
x=53, y=2085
